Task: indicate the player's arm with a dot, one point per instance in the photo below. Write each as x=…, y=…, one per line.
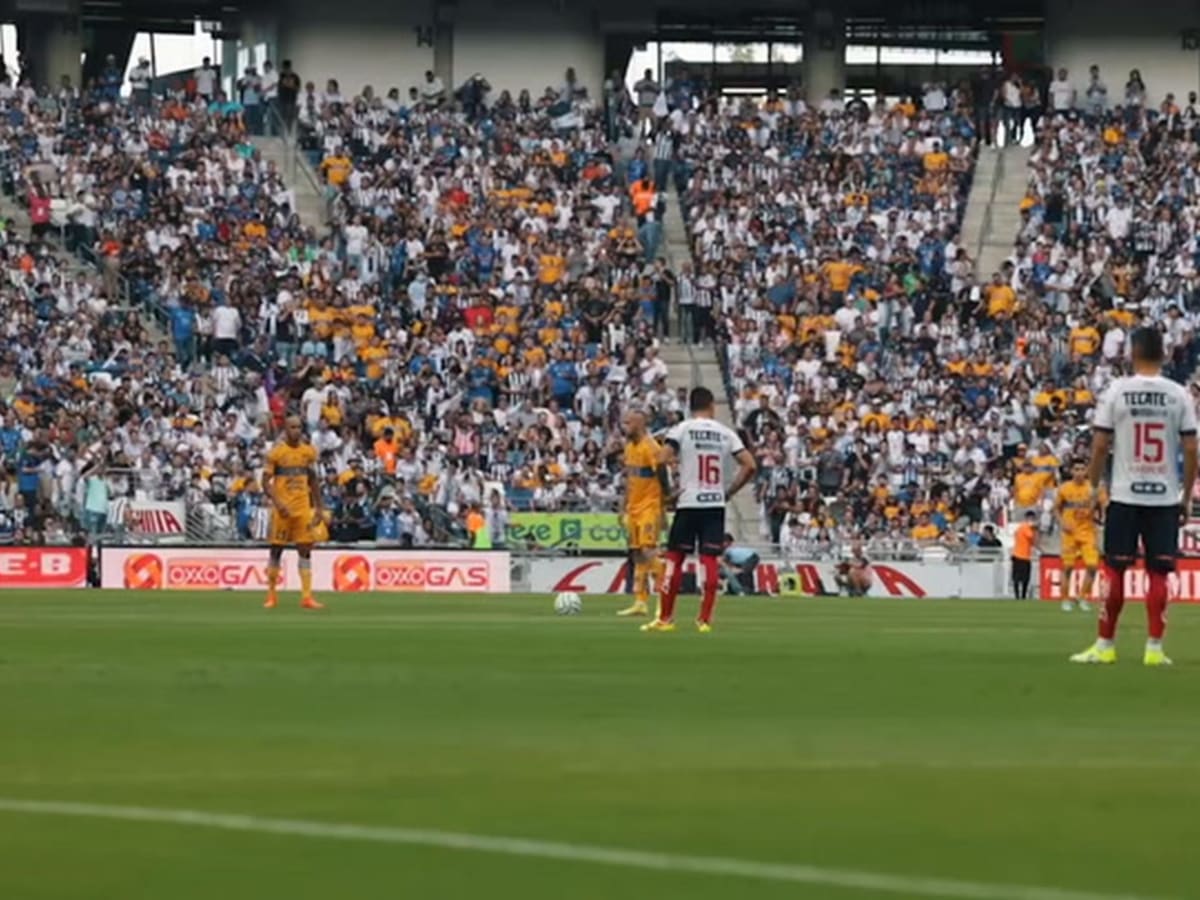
x=314, y=492
x=746, y=469
x=668, y=456
x=269, y=487
x=1102, y=435
x=1189, y=475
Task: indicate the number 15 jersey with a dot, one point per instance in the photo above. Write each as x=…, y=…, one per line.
x=705, y=449
x=1147, y=416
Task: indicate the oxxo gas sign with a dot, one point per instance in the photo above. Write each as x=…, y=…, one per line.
x=334, y=569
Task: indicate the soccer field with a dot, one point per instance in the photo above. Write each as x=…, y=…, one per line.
x=387, y=747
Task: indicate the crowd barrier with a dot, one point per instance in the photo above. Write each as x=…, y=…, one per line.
x=774, y=576
x=352, y=569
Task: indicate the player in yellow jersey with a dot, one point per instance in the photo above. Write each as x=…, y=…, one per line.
x=1076, y=505
x=298, y=516
x=644, y=509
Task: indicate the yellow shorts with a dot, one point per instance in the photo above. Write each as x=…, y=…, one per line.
x=1080, y=547
x=301, y=527
x=643, y=530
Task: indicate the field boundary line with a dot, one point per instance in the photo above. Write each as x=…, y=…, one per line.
x=551, y=850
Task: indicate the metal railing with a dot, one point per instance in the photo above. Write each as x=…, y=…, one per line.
x=295, y=162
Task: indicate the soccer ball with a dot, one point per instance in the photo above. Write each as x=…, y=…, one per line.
x=568, y=603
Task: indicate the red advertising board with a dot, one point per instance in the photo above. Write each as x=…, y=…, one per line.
x=1184, y=585
x=43, y=567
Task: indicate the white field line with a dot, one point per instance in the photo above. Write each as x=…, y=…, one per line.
x=579, y=853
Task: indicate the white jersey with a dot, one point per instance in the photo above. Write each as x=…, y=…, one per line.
x=706, y=449
x=1147, y=415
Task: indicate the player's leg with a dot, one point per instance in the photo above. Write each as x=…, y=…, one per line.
x=307, y=600
x=1091, y=563
x=642, y=541
x=1160, y=530
x=641, y=585
x=278, y=534
x=274, y=570
x=712, y=542
x=1121, y=531
x=1069, y=558
x=680, y=542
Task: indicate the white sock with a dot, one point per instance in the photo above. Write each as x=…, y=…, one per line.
x=1152, y=644
x=1103, y=644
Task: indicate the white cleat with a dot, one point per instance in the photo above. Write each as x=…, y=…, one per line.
x=1084, y=606
x=1068, y=606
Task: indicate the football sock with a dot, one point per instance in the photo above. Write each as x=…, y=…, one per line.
x=1112, y=595
x=670, y=586
x=712, y=577
x=306, y=577
x=641, y=582
x=657, y=568
x=1156, y=606
x=272, y=577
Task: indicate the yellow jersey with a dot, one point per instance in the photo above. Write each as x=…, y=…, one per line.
x=1028, y=488
x=643, y=489
x=1078, y=504
x=289, y=468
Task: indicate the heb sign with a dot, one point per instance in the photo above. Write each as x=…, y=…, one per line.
x=1184, y=584
x=43, y=567
x=338, y=570
x=609, y=576
x=566, y=531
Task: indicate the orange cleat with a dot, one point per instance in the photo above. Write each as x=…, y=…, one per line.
x=272, y=601
x=311, y=603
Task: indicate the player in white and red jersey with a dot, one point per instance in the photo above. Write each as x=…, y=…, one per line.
x=1149, y=424
x=704, y=450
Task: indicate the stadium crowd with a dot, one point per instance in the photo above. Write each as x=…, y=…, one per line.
x=492, y=294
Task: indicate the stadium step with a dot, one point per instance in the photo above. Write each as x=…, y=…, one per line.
x=992, y=219
x=300, y=178
x=688, y=366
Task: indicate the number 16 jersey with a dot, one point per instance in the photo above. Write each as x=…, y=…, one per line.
x=1147, y=416
x=705, y=449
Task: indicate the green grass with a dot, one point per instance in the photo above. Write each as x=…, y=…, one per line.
x=913, y=738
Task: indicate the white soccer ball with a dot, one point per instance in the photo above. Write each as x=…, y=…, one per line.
x=568, y=603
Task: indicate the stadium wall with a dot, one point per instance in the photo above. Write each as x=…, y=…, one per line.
x=514, y=45
x=360, y=44
x=1120, y=36
x=519, y=47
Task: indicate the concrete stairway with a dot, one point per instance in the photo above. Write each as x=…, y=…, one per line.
x=993, y=216
x=299, y=177
x=11, y=208
x=692, y=366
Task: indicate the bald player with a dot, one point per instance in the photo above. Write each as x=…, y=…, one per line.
x=646, y=489
x=297, y=515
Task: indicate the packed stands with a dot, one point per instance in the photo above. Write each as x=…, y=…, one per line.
x=892, y=392
x=490, y=296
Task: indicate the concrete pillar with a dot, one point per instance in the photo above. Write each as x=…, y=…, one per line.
x=53, y=46
x=824, y=54
x=443, y=42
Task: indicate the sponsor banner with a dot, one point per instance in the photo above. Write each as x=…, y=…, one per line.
x=165, y=520
x=1189, y=539
x=608, y=576
x=339, y=570
x=1184, y=584
x=43, y=567
x=562, y=531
